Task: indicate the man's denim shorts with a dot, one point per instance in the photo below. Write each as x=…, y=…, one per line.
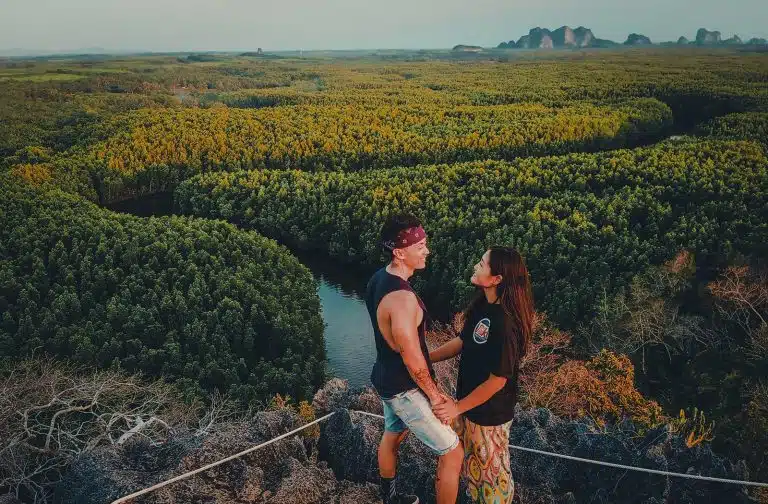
x=411, y=410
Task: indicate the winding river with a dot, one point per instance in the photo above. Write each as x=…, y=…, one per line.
x=348, y=334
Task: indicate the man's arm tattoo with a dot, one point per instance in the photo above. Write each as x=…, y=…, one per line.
x=425, y=382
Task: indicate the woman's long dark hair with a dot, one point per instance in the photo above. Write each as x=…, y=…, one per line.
x=516, y=299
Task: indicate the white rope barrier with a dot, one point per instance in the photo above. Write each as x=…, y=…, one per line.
x=642, y=469
x=620, y=466
x=180, y=477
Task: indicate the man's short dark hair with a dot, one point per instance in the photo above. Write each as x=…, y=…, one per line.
x=393, y=225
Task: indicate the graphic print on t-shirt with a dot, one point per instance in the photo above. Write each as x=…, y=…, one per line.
x=480, y=334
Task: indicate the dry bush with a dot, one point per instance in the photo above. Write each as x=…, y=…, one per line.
x=571, y=391
x=651, y=309
x=756, y=425
x=695, y=429
x=602, y=389
x=741, y=295
x=546, y=353
x=446, y=371
x=647, y=314
x=50, y=413
x=304, y=409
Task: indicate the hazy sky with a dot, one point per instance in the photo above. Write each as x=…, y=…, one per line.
x=188, y=25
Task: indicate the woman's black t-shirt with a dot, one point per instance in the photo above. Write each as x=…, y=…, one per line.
x=483, y=352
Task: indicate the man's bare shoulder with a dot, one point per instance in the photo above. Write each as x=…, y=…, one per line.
x=403, y=300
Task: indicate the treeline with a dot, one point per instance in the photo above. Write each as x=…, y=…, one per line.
x=349, y=138
x=37, y=110
x=155, y=149
x=41, y=115
x=696, y=86
x=746, y=125
x=197, y=301
x=528, y=107
x=585, y=222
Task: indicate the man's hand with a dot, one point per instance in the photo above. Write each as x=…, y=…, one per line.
x=438, y=399
x=447, y=410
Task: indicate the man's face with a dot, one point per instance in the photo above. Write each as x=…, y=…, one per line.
x=414, y=256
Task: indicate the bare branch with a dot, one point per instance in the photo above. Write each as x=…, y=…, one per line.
x=50, y=413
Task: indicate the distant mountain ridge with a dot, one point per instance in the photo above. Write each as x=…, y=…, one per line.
x=543, y=38
x=566, y=37
x=706, y=37
x=636, y=39
x=467, y=48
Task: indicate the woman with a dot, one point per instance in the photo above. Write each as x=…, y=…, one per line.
x=495, y=337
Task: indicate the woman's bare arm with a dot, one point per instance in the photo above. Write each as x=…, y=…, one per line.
x=447, y=350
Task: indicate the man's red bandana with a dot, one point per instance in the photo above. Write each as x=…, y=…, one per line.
x=406, y=238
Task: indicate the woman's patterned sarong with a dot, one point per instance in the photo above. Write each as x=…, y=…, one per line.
x=486, y=461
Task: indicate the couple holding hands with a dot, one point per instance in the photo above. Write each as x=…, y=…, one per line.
x=469, y=433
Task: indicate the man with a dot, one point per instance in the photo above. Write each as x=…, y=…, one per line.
x=403, y=374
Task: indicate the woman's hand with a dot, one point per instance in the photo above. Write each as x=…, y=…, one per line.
x=447, y=410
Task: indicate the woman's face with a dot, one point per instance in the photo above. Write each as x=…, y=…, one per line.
x=482, y=276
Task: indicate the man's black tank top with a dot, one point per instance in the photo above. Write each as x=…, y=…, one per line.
x=390, y=376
